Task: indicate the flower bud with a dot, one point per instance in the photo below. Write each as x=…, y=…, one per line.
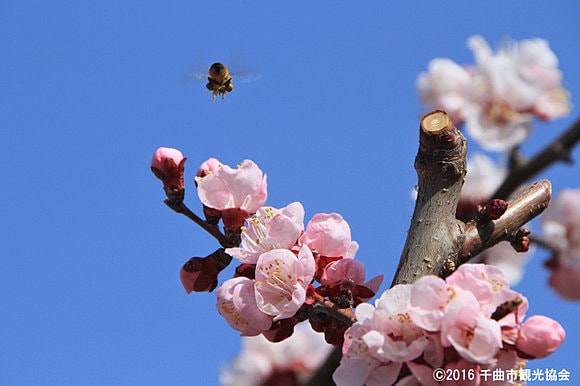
x=539, y=336
x=200, y=274
x=168, y=165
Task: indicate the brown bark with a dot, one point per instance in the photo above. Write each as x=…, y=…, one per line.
x=433, y=236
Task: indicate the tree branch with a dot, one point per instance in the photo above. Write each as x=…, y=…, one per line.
x=209, y=228
x=558, y=150
x=437, y=243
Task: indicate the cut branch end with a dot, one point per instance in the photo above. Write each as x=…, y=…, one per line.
x=436, y=122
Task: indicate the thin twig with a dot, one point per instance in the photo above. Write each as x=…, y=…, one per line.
x=209, y=228
x=343, y=315
x=558, y=150
x=545, y=243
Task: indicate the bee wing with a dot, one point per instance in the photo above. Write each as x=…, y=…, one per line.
x=242, y=68
x=199, y=69
x=198, y=76
x=246, y=76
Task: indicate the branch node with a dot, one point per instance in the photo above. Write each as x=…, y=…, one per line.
x=493, y=210
x=520, y=240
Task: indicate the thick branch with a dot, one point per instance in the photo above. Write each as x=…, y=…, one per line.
x=441, y=168
x=558, y=150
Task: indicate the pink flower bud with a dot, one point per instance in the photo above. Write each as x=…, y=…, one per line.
x=328, y=234
x=539, y=336
x=168, y=165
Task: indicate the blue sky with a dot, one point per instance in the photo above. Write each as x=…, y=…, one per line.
x=90, y=290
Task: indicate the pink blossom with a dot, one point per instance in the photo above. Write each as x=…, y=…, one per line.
x=486, y=283
x=394, y=335
x=440, y=306
x=168, y=165
x=260, y=361
x=539, y=65
x=236, y=302
x=561, y=225
x=446, y=87
x=561, y=220
x=539, y=336
x=241, y=190
x=358, y=365
x=212, y=165
x=383, y=337
x=435, y=323
x=474, y=336
x=499, y=96
x=500, y=74
x=565, y=278
x=496, y=126
x=514, y=82
x=328, y=234
x=270, y=229
x=281, y=281
x=348, y=275
x=429, y=297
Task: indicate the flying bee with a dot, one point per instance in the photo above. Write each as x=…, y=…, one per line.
x=220, y=81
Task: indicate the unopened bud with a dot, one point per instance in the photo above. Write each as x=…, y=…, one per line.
x=200, y=274
x=539, y=336
x=168, y=165
x=493, y=210
x=520, y=240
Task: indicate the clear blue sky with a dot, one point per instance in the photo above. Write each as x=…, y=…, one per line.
x=90, y=255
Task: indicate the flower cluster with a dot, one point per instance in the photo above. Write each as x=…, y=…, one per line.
x=561, y=225
x=472, y=320
x=499, y=96
x=280, y=260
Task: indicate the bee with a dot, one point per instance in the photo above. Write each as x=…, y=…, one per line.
x=220, y=81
